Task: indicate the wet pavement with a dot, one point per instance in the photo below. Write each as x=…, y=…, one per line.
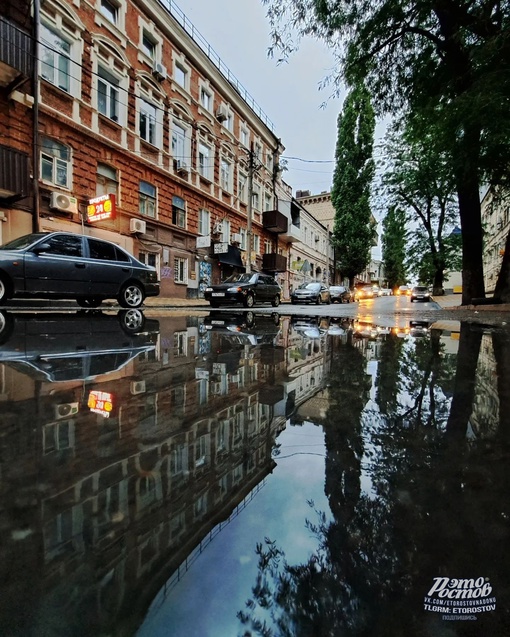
x=335, y=471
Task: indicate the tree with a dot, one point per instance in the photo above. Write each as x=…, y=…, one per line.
x=393, y=247
x=353, y=229
x=447, y=62
x=418, y=178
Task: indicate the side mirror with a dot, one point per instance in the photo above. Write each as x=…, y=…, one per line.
x=42, y=247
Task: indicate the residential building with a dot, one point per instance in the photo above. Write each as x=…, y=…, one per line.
x=496, y=222
x=139, y=134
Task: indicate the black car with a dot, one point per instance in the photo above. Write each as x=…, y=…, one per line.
x=340, y=294
x=312, y=292
x=420, y=293
x=247, y=289
x=62, y=265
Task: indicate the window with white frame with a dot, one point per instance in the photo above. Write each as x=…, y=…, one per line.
x=226, y=175
x=181, y=75
x=257, y=149
x=181, y=143
x=180, y=343
x=107, y=94
x=148, y=122
x=225, y=235
x=107, y=180
x=228, y=123
x=149, y=47
x=180, y=270
x=110, y=11
x=242, y=187
x=149, y=258
x=269, y=160
x=178, y=211
x=55, y=163
x=55, y=59
x=147, y=199
x=205, y=161
x=255, y=197
x=267, y=246
x=244, y=137
x=244, y=234
x=206, y=100
x=204, y=221
x=268, y=201
x=256, y=244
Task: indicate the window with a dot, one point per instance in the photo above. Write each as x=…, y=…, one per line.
x=204, y=161
x=244, y=138
x=178, y=212
x=243, y=187
x=258, y=151
x=55, y=59
x=102, y=250
x=148, y=46
x=268, y=247
x=225, y=235
x=255, y=197
x=204, y=220
x=55, y=163
x=148, y=130
x=65, y=245
x=268, y=201
x=226, y=175
x=110, y=11
x=107, y=182
x=147, y=199
x=244, y=234
x=108, y=94
x=180, y=270
x=256, y=244
x=181, y=75
x=206, y=99
x=229, y=122
x=179, y=143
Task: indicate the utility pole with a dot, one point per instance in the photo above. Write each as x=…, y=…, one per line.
x=251, y=170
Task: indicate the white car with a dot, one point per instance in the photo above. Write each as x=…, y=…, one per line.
x=385, y=292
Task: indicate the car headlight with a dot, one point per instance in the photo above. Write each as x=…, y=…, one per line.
x=235, y=290
x=208, y=289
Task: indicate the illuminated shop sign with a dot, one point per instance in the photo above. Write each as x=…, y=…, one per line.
x=101, y=402
x=101, y=208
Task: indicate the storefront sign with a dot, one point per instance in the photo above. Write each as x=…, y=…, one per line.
x=204, y=242
x=101, y=208
x=101, y=402
x=220, y=248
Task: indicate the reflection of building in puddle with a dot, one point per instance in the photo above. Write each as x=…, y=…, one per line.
x=484, y=420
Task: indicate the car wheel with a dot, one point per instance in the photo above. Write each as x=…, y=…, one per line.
x=6, y=327
x=318, y=301
x=88, y=301
x=250, y=319
x=329, y=301
x=249, y=301
x=4, y=290
x=131, y=296
x=132, y=321
x=276, y=301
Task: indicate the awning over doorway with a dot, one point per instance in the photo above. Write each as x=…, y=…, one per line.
x=232, y=257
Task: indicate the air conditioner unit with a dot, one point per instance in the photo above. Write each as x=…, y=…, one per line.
x=137, y=225
x=221, y=113
x=159, y=71
x=65, y=410
x=236, y=237
x=63, y=202
x=181, y=166
x=137, y=387
x=218, y=228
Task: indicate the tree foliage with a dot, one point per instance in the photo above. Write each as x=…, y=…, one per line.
x=394, y=247
x=449, y=63
x=353, y=229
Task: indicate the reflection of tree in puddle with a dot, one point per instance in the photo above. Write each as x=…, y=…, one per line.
x=439, y=505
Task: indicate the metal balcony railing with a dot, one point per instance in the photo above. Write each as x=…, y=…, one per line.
x=16, y=48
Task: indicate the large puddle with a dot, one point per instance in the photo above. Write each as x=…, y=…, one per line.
x=243, y=474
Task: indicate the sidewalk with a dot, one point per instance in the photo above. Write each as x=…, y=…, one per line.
x=453, y=302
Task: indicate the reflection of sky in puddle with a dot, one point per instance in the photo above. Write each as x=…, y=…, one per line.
x=206, y=600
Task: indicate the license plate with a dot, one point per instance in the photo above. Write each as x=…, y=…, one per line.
x=218, y=294
x=217, y=322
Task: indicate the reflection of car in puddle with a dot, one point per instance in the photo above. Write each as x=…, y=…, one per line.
x=310, y=326
x=363, y=329
x=244, y=327
x=62, y=347
x=418, y=328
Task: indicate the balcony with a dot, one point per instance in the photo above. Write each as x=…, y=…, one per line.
x=273, y=262
x=14, y=174
x=293, y=234
x=275, y=221
x=16, y=53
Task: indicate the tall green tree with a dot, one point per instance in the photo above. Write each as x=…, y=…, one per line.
x=354, y=229
x=449, y=62
x=418, y=178
x=394, y=247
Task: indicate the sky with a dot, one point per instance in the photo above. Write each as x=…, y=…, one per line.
x=288, y=94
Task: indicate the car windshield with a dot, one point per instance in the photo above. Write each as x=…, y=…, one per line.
x=421, y=289
x=336, y=288
x=22, y=242
x=241, y=278
x=309, y=286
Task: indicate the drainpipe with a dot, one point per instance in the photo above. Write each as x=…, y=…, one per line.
x=250, y=211
x=35, y=120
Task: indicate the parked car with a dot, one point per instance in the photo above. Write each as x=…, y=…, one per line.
x=420, y=293
x=62, y=265
x=312, y=292
x=403, y=290
x=365, y=292
x=340, y=294
x=246, y=288
x=385, y=292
